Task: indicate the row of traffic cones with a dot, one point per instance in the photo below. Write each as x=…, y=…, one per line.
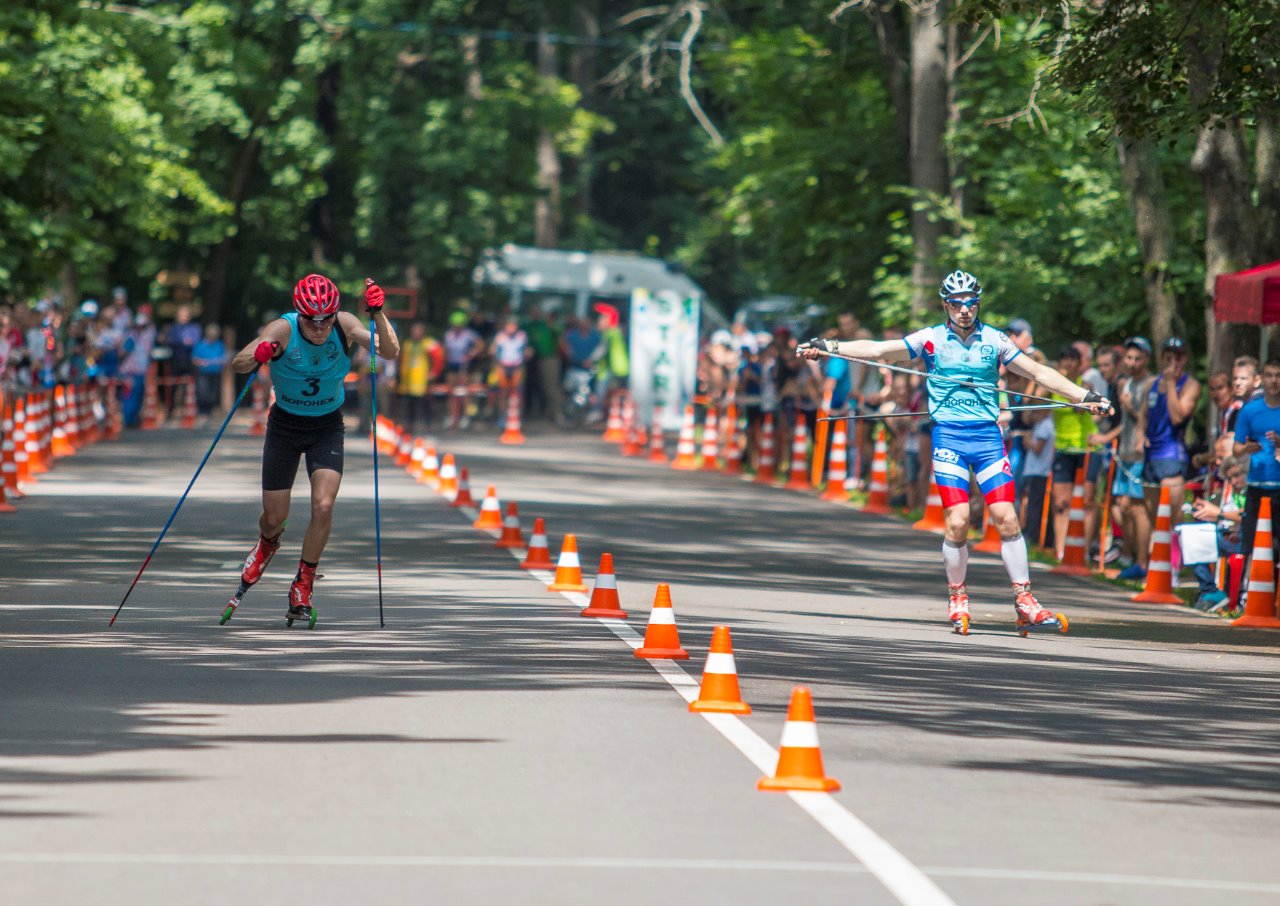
x=800, y=760
x=42, y=426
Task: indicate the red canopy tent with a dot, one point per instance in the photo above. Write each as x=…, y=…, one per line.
x=1248, y=297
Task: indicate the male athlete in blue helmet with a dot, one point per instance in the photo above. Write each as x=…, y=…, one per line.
x=962, y=357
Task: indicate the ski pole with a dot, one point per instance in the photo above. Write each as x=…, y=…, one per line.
x=377, y=514
x=253, y=374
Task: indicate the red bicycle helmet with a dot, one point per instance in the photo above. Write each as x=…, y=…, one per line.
x=315, y=296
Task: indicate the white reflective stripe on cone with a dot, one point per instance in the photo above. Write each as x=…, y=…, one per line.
x=1073, y=542
x=1161, y=537
x=538, y=541
x=1158, y=566
x=1075, y=514
x=1264, y=525
x=569, y=558
x=797, y=734
x=1261, y=585
x=662, y=615
x=1263, y=553
x=606, y=580
x=720, y=662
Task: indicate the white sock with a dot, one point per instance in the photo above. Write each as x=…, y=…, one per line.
x=1014, y=554
x=955, y=557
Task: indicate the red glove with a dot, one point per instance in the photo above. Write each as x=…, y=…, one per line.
x=265, y=351
x=373, y=296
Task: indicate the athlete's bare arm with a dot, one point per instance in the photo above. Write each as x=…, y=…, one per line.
x=278, y=331
x=388, y=342
x=1057, y=382
x=884, y=350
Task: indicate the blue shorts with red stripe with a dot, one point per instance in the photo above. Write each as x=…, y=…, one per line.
x=961, y=446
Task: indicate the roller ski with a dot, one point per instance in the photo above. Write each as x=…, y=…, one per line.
x=254, y=566
x=958, y=609
x=1032, y=617
x=300, y=609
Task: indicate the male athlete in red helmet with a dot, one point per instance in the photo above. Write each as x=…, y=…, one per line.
x=308, y=351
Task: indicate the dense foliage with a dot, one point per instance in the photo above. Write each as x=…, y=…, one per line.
x=247, y=141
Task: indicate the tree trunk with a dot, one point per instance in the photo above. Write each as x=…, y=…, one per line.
x=1140, y=162
x=546, y=216
x=929, y=178
x=1266, y=170
x=887, y=17
x=582, y=71
x=220, y=263
x=323, y=227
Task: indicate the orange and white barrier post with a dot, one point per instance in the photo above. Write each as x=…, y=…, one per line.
x=604, y=596
x=686, y=451
x=189, y=403
x=463, y=497
x=613, y=432
x=431, y=475
x=448, y=477
x=711, y=441
x=61, y=444
x=405, y=450
x=719, y=692
x=568, y=568
x=35, y=461
x=733, y=447
x=656, y=451
x=766, y=467
x=1159, y=585
x=661, y=637
x=1260, y=599
x=22, y=463
x=8, y=460
x=259, y=424
x=799, y=756
x=417, y=457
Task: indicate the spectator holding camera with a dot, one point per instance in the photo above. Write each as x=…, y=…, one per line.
x=1227, y=511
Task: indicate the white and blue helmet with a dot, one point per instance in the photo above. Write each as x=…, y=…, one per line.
x=958, y=282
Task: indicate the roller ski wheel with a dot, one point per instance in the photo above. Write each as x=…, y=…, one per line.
x=304, y=613
x=960, y=625
x=234, y=603
x=958, y=609
x=1058, y=621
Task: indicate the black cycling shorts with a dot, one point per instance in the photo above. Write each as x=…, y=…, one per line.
x=317, y=437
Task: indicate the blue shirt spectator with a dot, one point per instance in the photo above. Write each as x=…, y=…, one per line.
x=838, y=371
x=1256, y=421
x=581, y=345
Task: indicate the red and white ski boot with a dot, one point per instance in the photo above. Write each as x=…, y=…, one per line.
x=958, y=609
x=1032, y=616
x=300, y=598
x=254, y=566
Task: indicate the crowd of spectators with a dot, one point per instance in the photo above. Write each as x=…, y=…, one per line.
x=51, y=342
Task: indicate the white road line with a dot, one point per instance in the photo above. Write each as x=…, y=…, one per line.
x=907, y=883
x=346, y=860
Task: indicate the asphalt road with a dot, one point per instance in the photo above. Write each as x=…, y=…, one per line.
x=489, y=745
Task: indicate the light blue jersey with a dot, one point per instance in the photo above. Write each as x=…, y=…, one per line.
x=976, y=361
x=308, y=378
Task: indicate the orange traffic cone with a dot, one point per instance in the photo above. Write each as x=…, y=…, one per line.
x=189, y=403
x=719, y=692
x=431, y=469
x=686, y=458
x=259, y=425
x=661, y=638
x=935, y=517
x=991, y=541
x=71, y=418
x=711, y=442
x=604, y=597
x=22, y=463
x=1260, y=600
x=61, y=444
x=656, y=451
x=1159, y=586
x=636, y=438
x=568, y=568
x=417, y=455
x=798, y=479
x=35, y=462
x=115, y=416
x=538, y=555
x=150, y=402
x=878, y=490
x=490, y=511
x=767, y=464
x=799, y=757
x=1074, y=555
x=512, y=432
x=838, y=465
x=448, y=478
x=463, y=497
x=8, y=462
x=613, y=432
x=511, y=536
x=733, y=452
